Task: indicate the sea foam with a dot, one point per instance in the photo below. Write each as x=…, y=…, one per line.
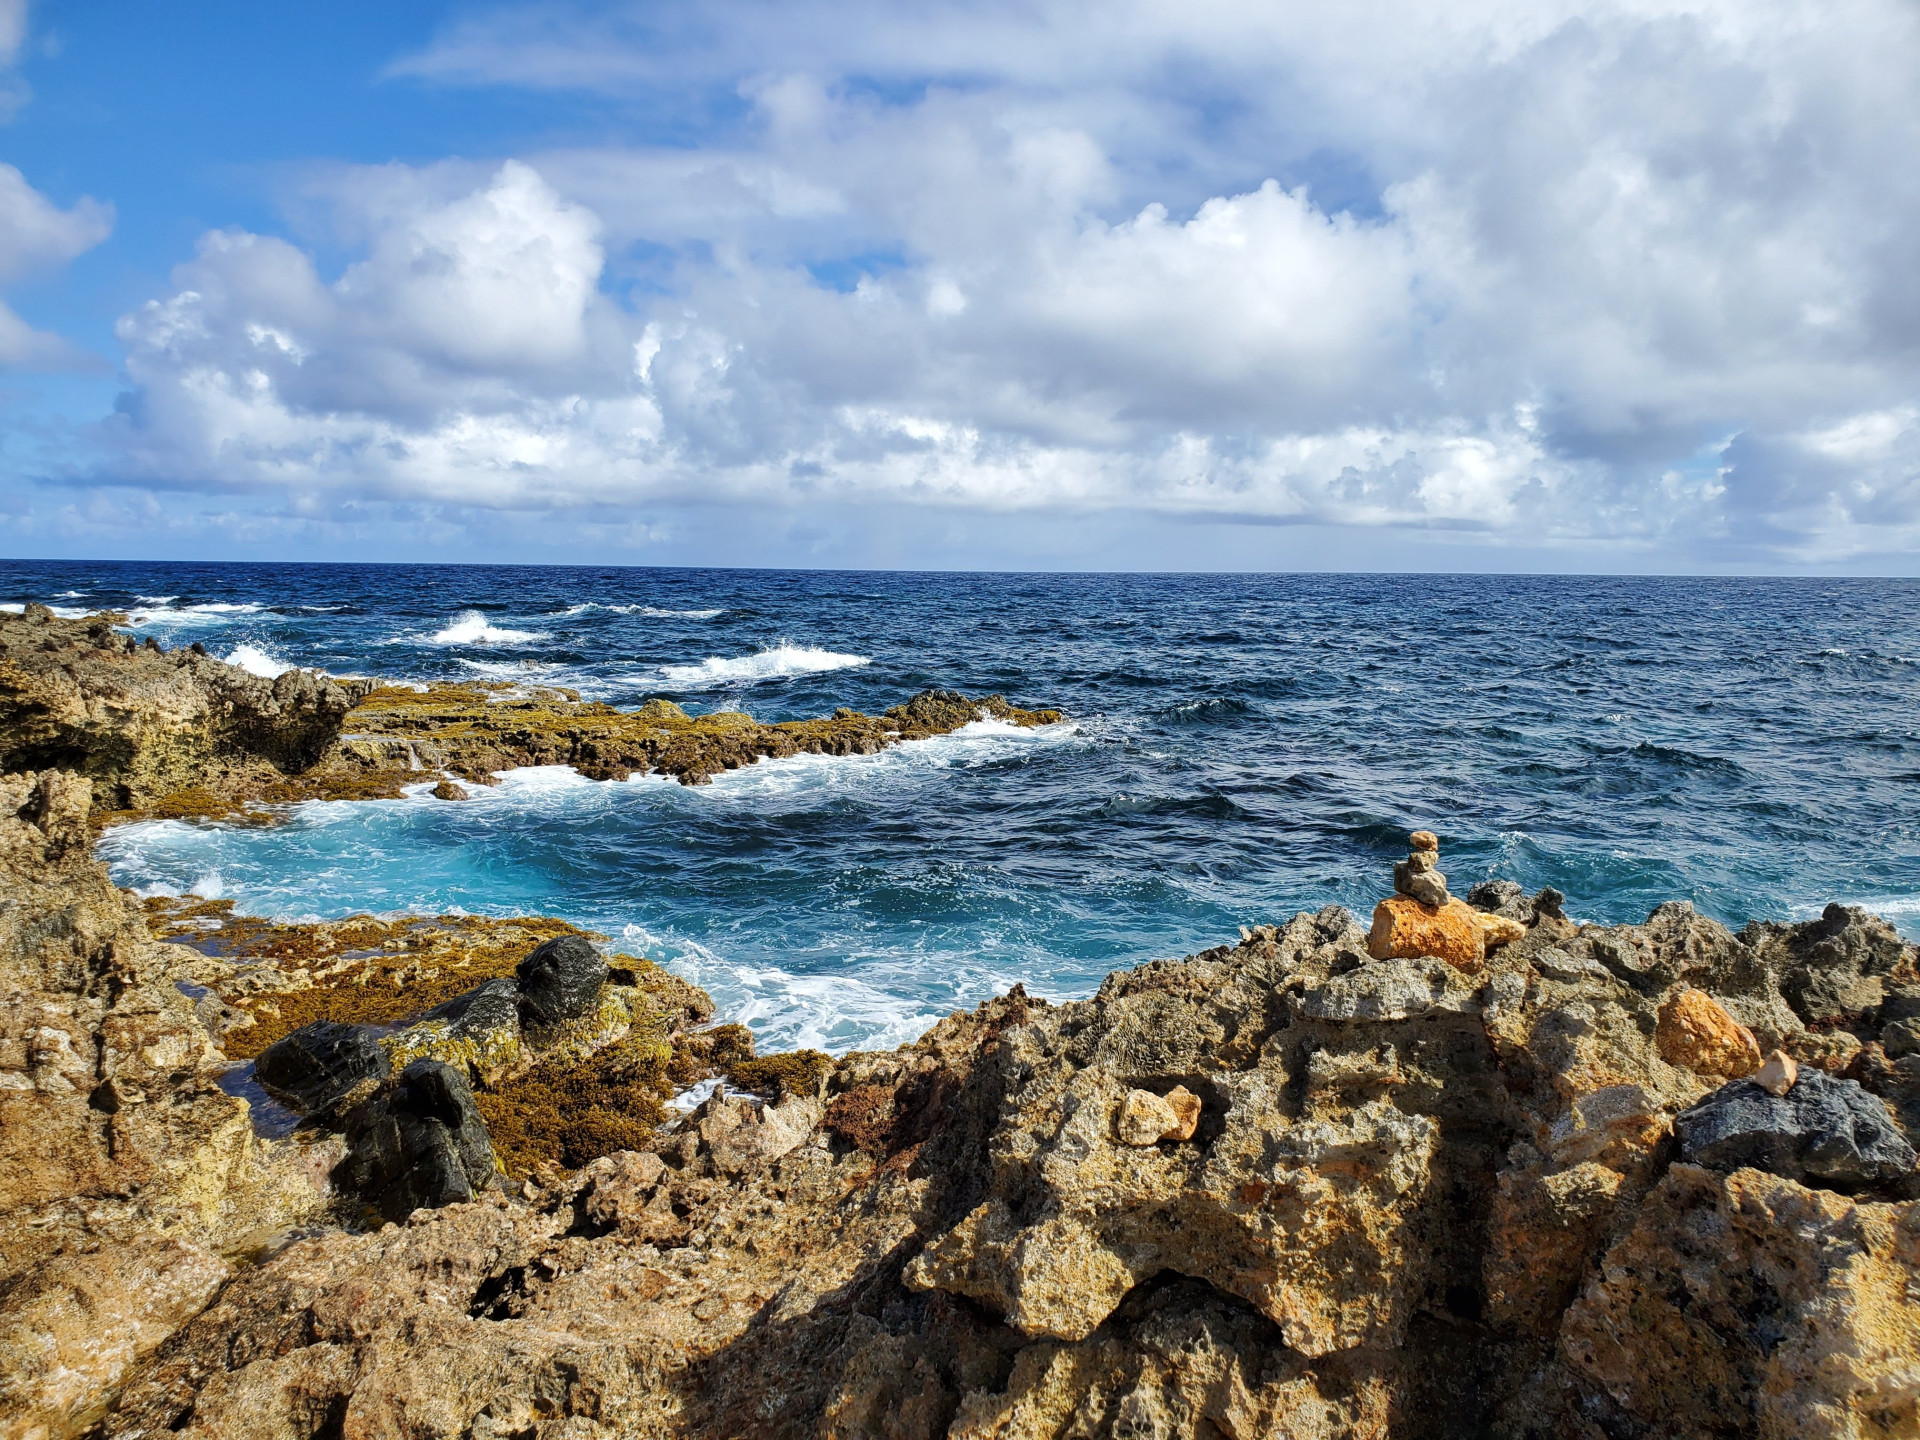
x=470, y=627
x=256, y=661
x=778, y=662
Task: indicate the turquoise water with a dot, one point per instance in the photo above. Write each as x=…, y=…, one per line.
x=1237, y=748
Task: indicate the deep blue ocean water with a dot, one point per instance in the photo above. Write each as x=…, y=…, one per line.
x=1238, y=748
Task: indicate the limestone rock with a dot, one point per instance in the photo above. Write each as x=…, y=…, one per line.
x=1145, y=1117
x=560, y=980
x=1403, y=928
x=1498, y=930
x=1833, y=970
x=1822, y=1132
x=1697, y=1034
x=1186, y=1109
x=140, y=723
x=742, y=1135
x=1747, y=1305
x=319, y=1065
x=1777, y=1076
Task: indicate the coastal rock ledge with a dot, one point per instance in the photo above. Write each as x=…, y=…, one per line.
x=1277, y=1189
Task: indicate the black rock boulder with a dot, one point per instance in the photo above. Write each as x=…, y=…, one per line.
x=418, y=1145
x=1824, y=1132
x=319, y=1065
x=560, y=980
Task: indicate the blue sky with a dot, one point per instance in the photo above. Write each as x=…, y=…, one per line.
x=1395, y=285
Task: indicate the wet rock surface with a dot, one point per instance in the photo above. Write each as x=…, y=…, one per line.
x=1821, y=1131
x=560, y=980
x=418, y=1144
x=320, y=1065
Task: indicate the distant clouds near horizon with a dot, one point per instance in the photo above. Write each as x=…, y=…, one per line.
x=1613, y=284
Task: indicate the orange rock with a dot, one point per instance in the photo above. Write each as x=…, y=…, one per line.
x=1186, y=1110
x=1695, y=1033
x=1404, y=929
x=1423, y=840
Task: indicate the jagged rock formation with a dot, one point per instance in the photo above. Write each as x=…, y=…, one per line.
x=471, y=731
x=180, y=734
x=143, y=724
x=1414, y=1202
x=130, y=1185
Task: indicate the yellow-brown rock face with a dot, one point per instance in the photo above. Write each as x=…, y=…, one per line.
x=1404, y=929
x=1498, y=930
x=1746, y=1304
x=1697, y=1034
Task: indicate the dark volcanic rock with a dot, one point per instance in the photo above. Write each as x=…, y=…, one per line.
x=1823, y=1132
x=1502, y=897
x=490, y=1009
x=319, y=1065
x=560, y=980
x=420, y=1145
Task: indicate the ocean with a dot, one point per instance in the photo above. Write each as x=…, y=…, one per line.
x=1237, y=748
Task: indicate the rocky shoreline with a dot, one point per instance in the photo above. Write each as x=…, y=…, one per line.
x=1474, y=1169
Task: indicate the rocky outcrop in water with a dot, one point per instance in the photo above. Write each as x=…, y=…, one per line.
x=142, y=724
x=176, y=733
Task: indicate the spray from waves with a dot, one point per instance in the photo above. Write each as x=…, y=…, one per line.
x=255, y=661
x=788, y=1011
x=470, y=627
x=779, y=662
x=650, y=611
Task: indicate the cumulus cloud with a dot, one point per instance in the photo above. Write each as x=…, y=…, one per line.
x=1638, y=273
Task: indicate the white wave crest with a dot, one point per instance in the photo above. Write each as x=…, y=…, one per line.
x=779, y=662
x=255, y=661
x=652, y=612
x=470, y=627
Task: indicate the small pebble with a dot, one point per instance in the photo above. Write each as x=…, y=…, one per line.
x=1423, y=840
x=1777, y=1075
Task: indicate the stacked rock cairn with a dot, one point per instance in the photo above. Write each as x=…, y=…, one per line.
x=1418, y=876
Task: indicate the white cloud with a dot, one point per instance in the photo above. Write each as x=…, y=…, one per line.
x=36, y=234
x=1638, y=273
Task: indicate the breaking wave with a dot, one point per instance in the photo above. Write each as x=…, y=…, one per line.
x=778, y=662
x=470, y=627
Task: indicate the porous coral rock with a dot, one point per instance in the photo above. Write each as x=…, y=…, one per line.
x=1403, y=928
x=1698, y=1034
x=1401, y=1177
x=1746, y=1305
x=129, y=1181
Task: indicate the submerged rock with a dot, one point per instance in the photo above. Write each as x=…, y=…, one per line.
x=419, y=1144
x=319, y=1065
x=560, y=980
x=1823, y=1132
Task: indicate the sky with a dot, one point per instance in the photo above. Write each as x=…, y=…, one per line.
x=1619, y=285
